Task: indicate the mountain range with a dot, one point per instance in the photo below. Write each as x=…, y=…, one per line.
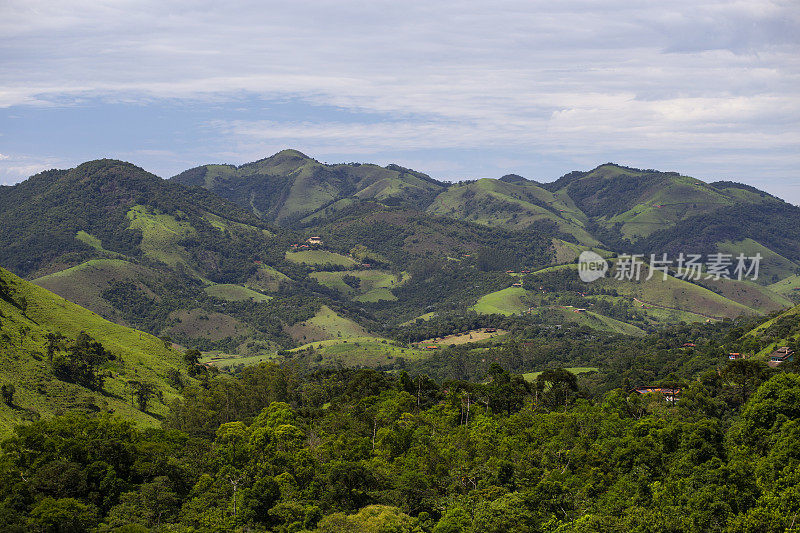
x=291, y=259
x=217, y=256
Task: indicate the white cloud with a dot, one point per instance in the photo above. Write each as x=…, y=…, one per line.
x=14, y=168
x=702, y=78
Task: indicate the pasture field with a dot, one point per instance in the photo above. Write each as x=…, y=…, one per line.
x=320, y=257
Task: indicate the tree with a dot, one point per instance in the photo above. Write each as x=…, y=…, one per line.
x=80, y=362
x=143, y=392
x=7, y=391
x=556, y=386
x=192, y=358
x=65, y=515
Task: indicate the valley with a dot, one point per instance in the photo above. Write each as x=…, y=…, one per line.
x=324, y=329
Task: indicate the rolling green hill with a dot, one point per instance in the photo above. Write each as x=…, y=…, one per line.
x=33, y=319
x=290, y=186
x=511, y=205
x=175, y=258
x=615, y=207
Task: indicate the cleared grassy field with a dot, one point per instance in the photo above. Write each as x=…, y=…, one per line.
x=761, y=327
x=560, y=315
x=567, y=252
x=375, y=285
x=226, y=361
x=531, y=376
x=161, y=235
x=476, y=335
x=235, y=293
x=268, y=279
x=375, y=295
x=507, y=301
x=425, y=317
x=223, y=225
x=788, y=287
x=773, y=267
x=326, y=324
x=670, y=293
x=366, y=351
x=198, y=323
x=319, y=257
x=759, y=297
x=84, y=283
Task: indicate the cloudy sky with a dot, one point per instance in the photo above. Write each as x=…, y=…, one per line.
x=459, y=89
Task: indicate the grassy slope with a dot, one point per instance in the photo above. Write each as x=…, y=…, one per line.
x=319, y=257
x=424, y=318
x=199, y=323
x=375, y=284
x=560, y=315
x=648, y=201
x=160, y=236
x=24, y=363
x=773, y=266
x=788, y=287
x=758, y=297
x=324, y=325
x=507, y=301
x=266, y=278
x=84, y=283
x=678, y=198
x=567, y=252
x=673, y=293
x=311, y=188
x=367, y=351
x=496, y=203
x=235, y=293
x=759, y=330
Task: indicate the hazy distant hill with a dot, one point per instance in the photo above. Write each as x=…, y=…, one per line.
x=620, y=208
x=290, y=186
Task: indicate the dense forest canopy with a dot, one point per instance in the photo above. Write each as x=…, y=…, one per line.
x=359, y=450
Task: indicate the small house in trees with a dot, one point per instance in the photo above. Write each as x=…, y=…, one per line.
x=781, y=355
x=733, y=356
x=314, y=241
x=670, y=394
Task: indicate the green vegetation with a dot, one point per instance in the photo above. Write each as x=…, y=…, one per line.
x=373, y=352
x=364, y=285
x=290, y=186
x=577, y=370
x=507, y=301
x=161, y=234
x=325, y=324
x=235, y=293
x=359, y=450
x=60, y=357
x=314, y=406
x=320, y=257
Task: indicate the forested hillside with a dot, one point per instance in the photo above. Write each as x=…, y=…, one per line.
x=57, y=357
x=273, y=450
x=238, y=279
